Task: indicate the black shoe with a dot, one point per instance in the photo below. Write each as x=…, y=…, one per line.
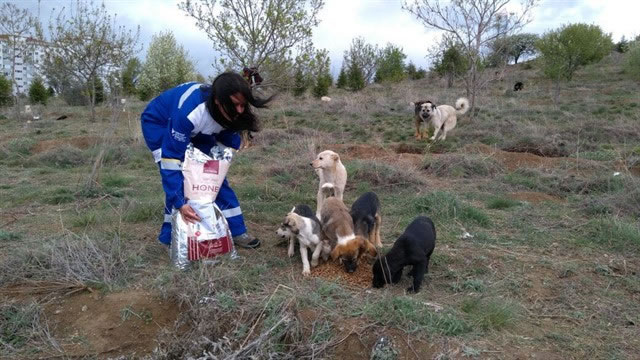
x=246, y=241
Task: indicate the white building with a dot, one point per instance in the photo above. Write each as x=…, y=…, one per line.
x=28, y=64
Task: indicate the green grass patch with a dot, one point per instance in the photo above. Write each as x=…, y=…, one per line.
x=501, y=203
x=444, y=205
x=412, y=315
x=59, y=196
x=613, y=233
x=489, y=314
x=9, y=236
x=143, y=212
x=116, y=181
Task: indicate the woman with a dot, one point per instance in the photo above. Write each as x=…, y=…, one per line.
x=202, y=115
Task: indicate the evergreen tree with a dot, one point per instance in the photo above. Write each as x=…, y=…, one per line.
x=342, y=79
x=321, y=87
x=37, y=92
x=300, y=83
x=355, y=77
x=5, y=91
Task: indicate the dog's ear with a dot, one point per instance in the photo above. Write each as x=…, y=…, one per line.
x=335, y=157
x=366, y=247
x=412, y=103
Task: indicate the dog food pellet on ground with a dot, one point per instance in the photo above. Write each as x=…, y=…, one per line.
x=333, y=271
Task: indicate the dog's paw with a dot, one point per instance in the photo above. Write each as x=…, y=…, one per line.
x=306, y=272
x=410, y=290
x=314, y=263
x=290, y=253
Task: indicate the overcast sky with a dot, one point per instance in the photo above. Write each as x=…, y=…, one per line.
x=378, y=21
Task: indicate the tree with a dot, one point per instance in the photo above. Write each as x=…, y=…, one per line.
x=565, y=50
x=87, y=42
x=37, y=92
x=341, y=83
x=474, y=24
x=390, y=65
x=362, y=56
x=301, y=83
x=5, y=91
x=256, y=33
x=511, y=48
x=623, y=45
x=451, y=63
x=413, y=73
x=167, y=65
x=20, y=30
x=355, y=77
x=131, y=71
x=632, y=62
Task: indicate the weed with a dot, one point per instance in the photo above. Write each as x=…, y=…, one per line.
x=489, y=314
x=22, y=326
x=9, y=236
x=613, y=233
x=501, y=203
x=59, y=196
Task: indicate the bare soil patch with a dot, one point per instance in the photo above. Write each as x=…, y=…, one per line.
x=110, y=325
x=80, y=142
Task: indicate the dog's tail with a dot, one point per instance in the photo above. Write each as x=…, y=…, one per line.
x=462, y=106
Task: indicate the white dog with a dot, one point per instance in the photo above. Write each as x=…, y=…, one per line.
x=442, y=117
x=309, y=234
x=330, y=171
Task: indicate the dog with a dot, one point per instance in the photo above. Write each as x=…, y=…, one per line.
x=330, y=170
x=308, y=232
x=285, y=233
x=518, y=86
x=441, y=117
x=414, y=247
x=337, y=226
x=365, y=212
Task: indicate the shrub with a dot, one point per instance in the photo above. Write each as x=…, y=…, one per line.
x=632, y=62
x=38, y=94
x=321, y=87
x=5, y=91
x=341, y=83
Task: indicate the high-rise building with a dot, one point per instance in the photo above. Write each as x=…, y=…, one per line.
x=28, y=55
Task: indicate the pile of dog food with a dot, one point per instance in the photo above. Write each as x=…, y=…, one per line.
x=332, y=270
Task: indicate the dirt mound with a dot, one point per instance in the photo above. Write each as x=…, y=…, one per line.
x=113, y=324
x=331, y=270
x=398, y=154
x=80, y=142
x=516, y=160
x=534, y=197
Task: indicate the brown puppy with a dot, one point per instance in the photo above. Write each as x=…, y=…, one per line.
x=337, y=226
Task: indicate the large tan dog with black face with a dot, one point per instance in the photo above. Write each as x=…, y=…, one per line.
x=330, y=171
x=337, y=226
x=441, y=117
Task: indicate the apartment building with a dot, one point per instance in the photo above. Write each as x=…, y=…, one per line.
x=28, y=63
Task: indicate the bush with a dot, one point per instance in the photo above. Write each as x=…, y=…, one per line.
x=391, y=65
x=38, y=94
x=5, y=91
x=341, y=83
x=632, y=62
x=565, y=50
x=321, y=87
x=300, y=83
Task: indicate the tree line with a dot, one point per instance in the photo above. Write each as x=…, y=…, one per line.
x=87, y=51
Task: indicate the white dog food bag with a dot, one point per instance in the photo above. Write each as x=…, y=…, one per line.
x=211, y=237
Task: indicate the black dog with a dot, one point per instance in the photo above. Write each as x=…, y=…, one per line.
x=365, y=213
x=413, y=247
x=518, y=86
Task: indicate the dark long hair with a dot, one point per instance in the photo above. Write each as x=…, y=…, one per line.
x=224, y=86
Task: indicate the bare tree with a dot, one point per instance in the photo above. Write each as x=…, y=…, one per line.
x=88, y=43
x=255, y=32
x=19, y=32
x=364, y=56
x=474, y=24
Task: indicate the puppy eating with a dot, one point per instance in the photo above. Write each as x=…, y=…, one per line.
x=337, y=226
x=330, y=171
x=442, y=117
x=414, y=247
x=365, y=212
x=284, y=232
x=308, y=232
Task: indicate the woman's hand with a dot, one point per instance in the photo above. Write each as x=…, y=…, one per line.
x=188, y=214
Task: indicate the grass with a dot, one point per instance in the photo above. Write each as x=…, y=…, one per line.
x=538, y=254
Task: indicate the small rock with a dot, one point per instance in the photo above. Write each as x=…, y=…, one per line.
x=57, y=311
x=84, y=308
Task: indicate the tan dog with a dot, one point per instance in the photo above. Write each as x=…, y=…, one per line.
x=442, y=117
x=309, y=234
x=330, y=170
x=337, y=226
x=245, y=137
